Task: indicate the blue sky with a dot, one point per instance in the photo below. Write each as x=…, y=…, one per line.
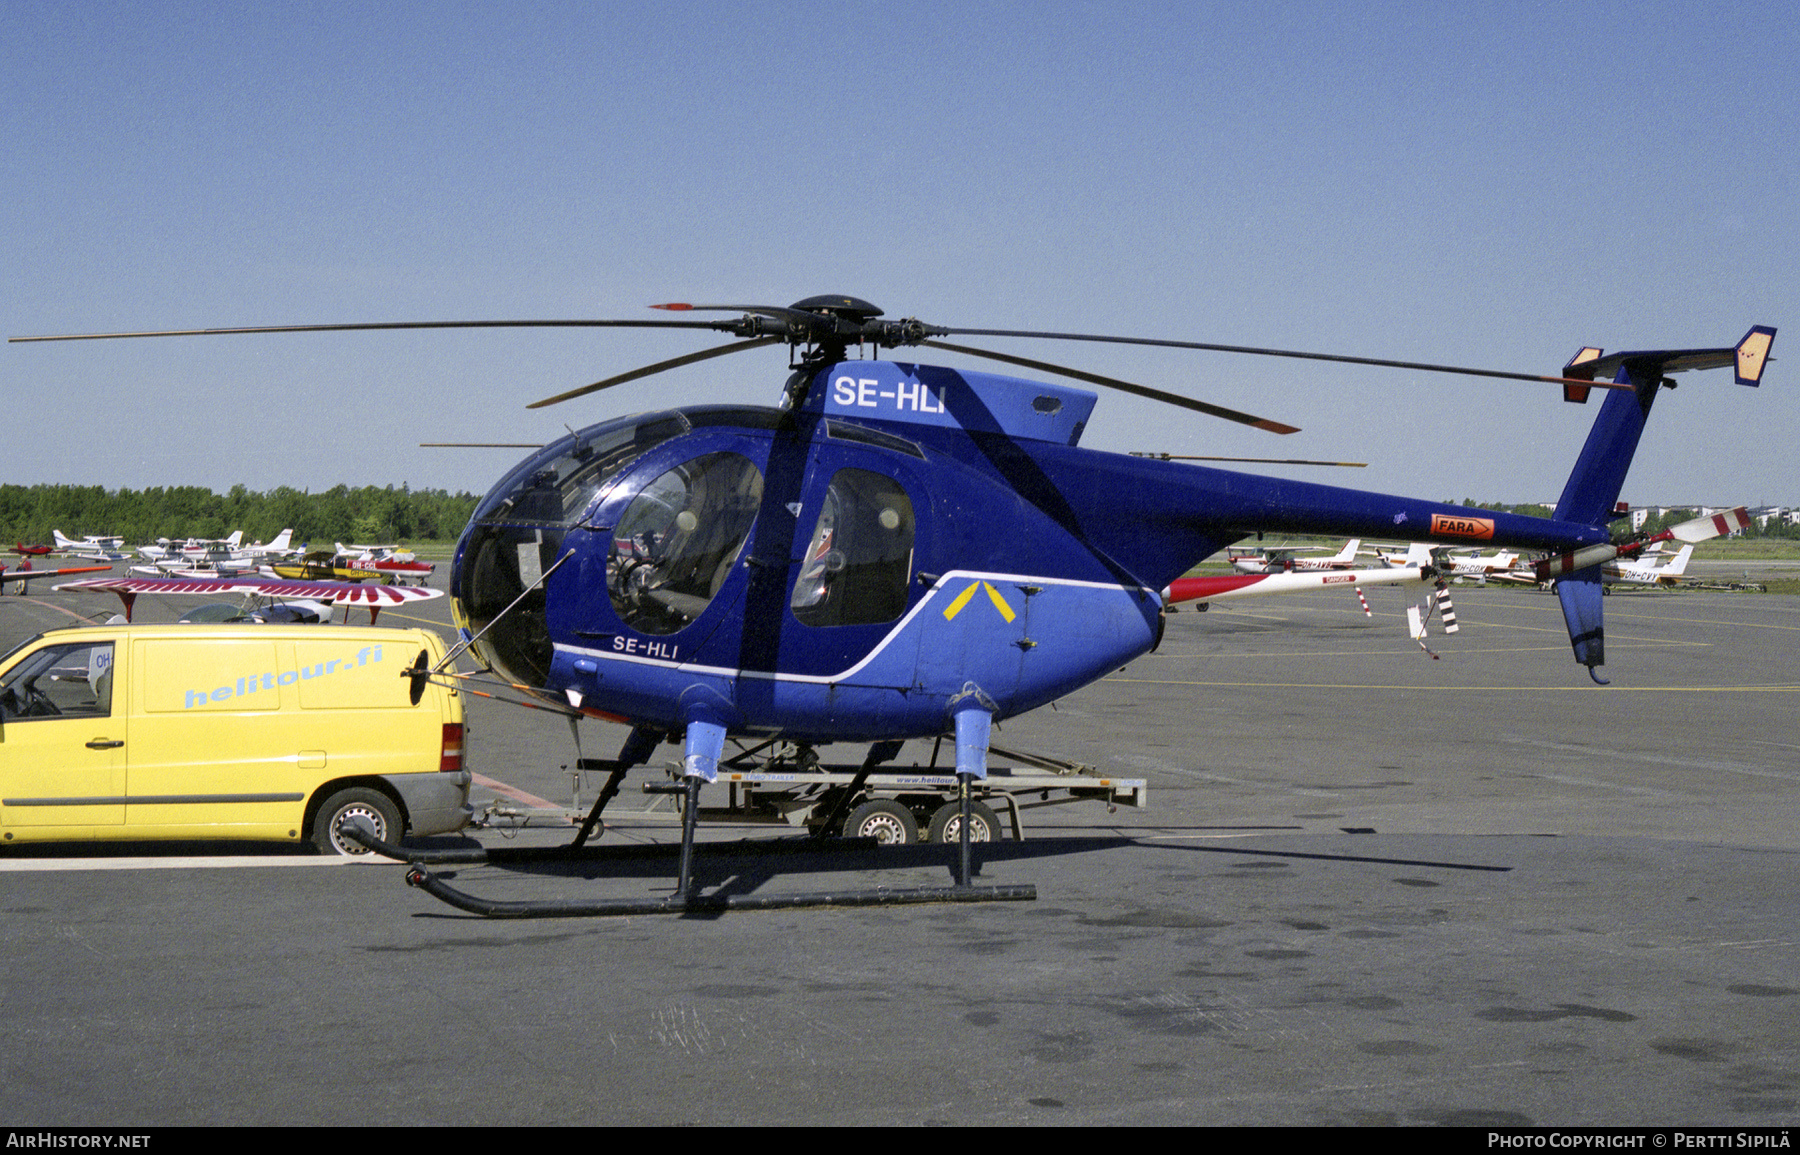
x=1492, y=185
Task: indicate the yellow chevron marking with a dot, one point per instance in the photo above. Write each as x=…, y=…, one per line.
x=999, y=602
x=962, y=599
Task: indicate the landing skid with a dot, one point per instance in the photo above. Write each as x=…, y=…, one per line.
x=880, y=801
x=686, y=900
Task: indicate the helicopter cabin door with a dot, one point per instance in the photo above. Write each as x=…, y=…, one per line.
x=850, y=563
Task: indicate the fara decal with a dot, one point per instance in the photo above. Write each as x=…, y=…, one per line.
x=1444, y=525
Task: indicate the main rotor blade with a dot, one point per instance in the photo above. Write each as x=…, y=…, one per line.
x=660, y=366
x=1340, y=358
x=1123, y=386
x=361, y=326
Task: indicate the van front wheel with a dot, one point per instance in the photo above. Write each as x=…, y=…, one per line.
x=372, y=806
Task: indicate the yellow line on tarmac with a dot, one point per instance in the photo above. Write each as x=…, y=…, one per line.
x=1706, y=622
x=1451, y=649
x=1465, y=689
x=390, y=613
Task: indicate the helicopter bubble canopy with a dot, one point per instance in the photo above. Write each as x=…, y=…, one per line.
x=517, y=534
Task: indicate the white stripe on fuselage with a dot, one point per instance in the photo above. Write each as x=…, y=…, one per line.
x=899, y=628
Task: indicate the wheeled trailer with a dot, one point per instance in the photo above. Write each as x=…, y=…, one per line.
x=891, y=805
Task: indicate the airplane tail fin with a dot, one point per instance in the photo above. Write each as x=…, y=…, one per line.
x=236, y=538
x=1347, y=555
x=281, y=541
x=1593, y=487
x=56, y=535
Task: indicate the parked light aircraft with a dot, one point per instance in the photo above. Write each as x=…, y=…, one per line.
x=1287, y=559
x=1452, y=563
x=320, y=565
x=193, y=548
x=1653, y=567
x=1222, y=587
x=93, y=547
x=901, y=550
x=390, y=561
x=1644, y=570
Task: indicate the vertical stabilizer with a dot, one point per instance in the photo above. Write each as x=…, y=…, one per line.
x=1593, y=488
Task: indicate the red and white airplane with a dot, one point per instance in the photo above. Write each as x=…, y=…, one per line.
x=1221, y=587
x=260, y=590
x=389, y=561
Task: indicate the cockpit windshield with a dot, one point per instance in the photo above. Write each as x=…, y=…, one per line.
x=517, y=534
x=554, y=487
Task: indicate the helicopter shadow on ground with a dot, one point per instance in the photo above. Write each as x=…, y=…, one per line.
x=727, y=870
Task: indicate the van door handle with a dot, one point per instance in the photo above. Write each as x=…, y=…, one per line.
x=105, y=744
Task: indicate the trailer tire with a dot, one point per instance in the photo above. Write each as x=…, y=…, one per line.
x=946, y=823
x=884, y=820
x=372, y=806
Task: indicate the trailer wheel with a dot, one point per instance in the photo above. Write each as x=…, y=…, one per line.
x=884, y=820
x=372, y=806
x=946, y=823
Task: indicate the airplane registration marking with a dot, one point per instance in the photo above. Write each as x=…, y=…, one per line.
x=649, y=647
x=907, y=396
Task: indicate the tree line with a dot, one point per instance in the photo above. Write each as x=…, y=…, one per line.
x=368, y=514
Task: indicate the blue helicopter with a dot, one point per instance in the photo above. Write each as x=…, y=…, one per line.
x=899, y=550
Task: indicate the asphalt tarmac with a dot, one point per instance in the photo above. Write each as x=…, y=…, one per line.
x=1370, y=887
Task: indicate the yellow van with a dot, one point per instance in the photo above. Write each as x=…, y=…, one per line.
x=227, y=731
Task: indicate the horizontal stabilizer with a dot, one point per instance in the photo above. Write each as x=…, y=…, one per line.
x=1747, y=359
x=1707, y=528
